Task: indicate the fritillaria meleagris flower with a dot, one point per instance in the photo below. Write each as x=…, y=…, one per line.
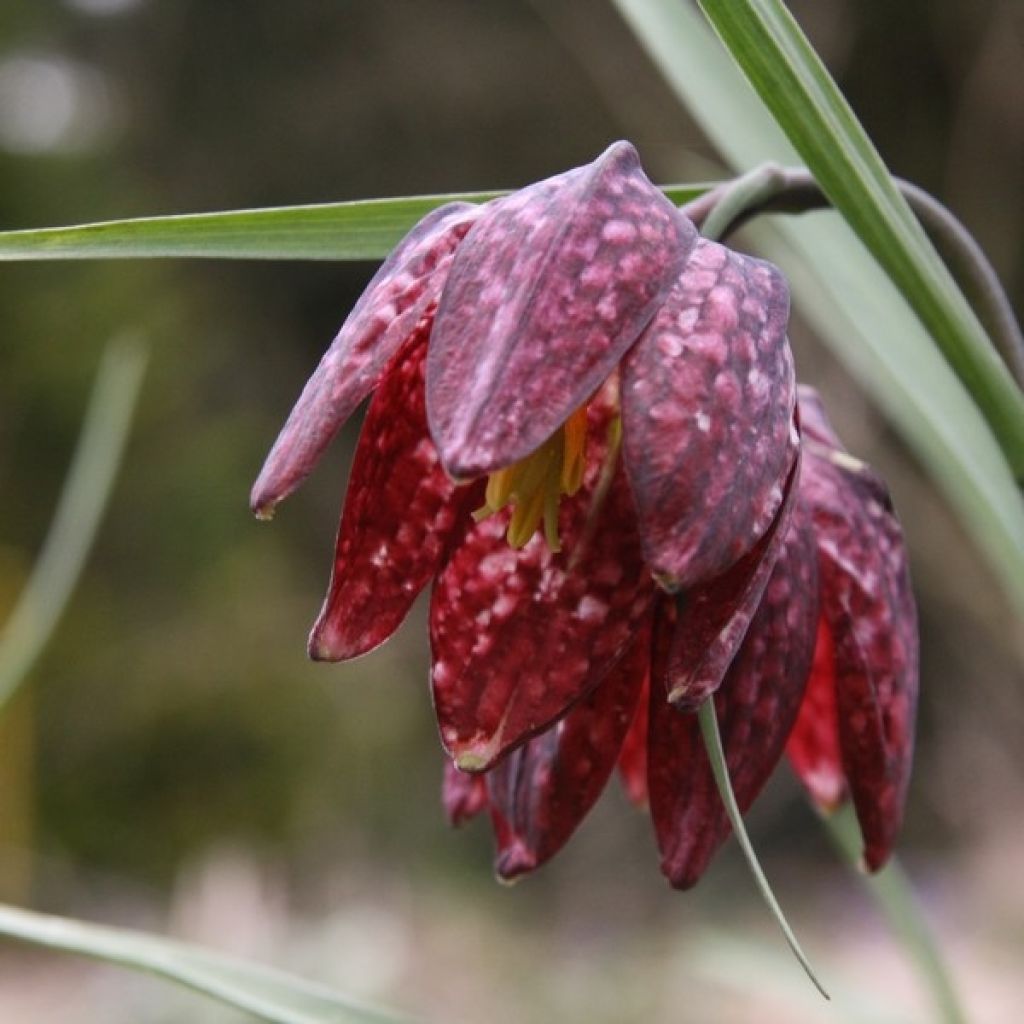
x=827, y=670
x=583, y=430
x=855, y=731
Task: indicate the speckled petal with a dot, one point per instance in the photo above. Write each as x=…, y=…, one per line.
x=463, y=795
x=406, y=286
x=708, y=394
x=713, y=617
x=400, y=511
x=813, y=745
x=550, y=288
x=633, y=756
x=517, y=636
x=542, y=791
x=869, y=608
x=756, y=705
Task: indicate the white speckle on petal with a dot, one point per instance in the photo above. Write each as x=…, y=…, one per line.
x=590, y=609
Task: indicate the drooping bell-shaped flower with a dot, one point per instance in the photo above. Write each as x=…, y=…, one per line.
x=855, y=732
x=583, y=430
x=611, y=378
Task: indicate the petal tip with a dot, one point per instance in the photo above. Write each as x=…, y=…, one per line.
x=263, y=501
x=471, y=761
x=680, y=878
x=514, y=862
x=327, y=644
x=683, y=699
x=319, y=651
x=666, y=581
x=264, y=512
x=872, y=861
x=621, y=150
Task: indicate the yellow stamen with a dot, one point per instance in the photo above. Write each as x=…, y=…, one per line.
x=499, y=489
x=534, y=485
x=573, y=461
x=552, y=499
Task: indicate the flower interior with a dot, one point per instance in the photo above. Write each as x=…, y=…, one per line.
x=534, y=486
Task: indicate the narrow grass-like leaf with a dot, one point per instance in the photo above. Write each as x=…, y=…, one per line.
x=266, y=993
x=79, y=512
x=360, y=230
x=720, y=769
x=737, y=962
x=892, y=891
x=850, y=302
x=787, y=74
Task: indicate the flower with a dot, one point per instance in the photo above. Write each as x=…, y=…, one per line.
x=583, y=430
x=827, y=670
x=855, y=730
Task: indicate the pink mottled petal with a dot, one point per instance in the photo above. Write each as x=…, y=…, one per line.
x=551, y=287
x=869, y=607
x=813, y=745
x=713, y=616
x=401, y=509
x=517, y=636
x=463, y=795
x=541, y=792
x=406, y=286
x=708, y=395
x=756, y=705
x=633, y=756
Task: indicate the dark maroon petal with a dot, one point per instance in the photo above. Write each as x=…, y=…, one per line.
x=541, y=792
x=549, y=290
x=406, y=286
x=633, y=756
x=463, y=795
x=813, y=745
x=517, y=636
x=756, y=706
x=708, y=394
x=869, y=607
x=713, y=617
x=400, y=511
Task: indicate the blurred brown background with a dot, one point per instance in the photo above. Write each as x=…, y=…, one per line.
x=177, y=764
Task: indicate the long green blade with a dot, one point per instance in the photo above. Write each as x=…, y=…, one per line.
x=893, y=892
x=361, y=230
x=266, y=993
x=720, y=769
x=78, y=515
x=850, y=301
x=787, y=74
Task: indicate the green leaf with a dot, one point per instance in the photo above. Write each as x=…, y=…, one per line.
x=849, y=300
x=268, y=994
x=787, y=74
x=720, y=769
x=892, y=890
x=361, y=230
x=79, y=512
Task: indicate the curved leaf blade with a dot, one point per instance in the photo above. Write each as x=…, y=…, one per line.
x=268, y=994
x=79, y=513
x=360, y=230
x=881, y=342
x=788, y=75
x=719, y=766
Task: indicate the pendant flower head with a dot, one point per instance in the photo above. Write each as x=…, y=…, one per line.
x=583, y=430
x=855, y=732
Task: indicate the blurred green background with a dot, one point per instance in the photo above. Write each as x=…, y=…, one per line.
x=177, y=764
